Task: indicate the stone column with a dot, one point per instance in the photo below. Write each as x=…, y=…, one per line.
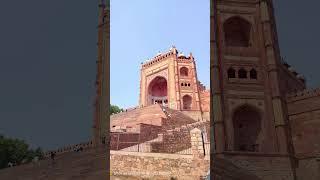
x=318, y=163
x=197, y=143
x=216, y=102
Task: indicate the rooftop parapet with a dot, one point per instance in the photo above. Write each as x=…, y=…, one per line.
x=307, y=93
x=70, y=148
x=161, y=56
x=291, y=70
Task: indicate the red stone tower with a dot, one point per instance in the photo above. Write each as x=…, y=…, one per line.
x=170, y=79
x=249, y=105
x=102, y=79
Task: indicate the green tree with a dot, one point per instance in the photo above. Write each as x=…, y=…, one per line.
x=115, y=109
x=16, y=151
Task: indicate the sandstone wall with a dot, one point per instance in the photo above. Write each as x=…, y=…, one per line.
x=149, y=132
x=151, y=165
x=304, y=116
x=289, y=82
x=205, y=100
x=309, y=169
x=120, y=140
x=173, y=141
x=179, y=139
x=196, y=115
x=88, y=165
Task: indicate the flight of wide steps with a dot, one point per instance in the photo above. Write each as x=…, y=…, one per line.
x=176, y=118
x=148, y=115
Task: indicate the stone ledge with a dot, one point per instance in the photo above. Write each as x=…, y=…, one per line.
x=158, y=155
x=239, y=153
x=307, y=93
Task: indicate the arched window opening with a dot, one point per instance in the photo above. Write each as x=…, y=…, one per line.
x=181, y=84
x=184, y=71
x=242, y=73
x=247, y=128
x=157, y=91
x=237, y=32
x=189, y=84
x=231, y=73
x=187, y=102
x=185, y=84
x=253, y=74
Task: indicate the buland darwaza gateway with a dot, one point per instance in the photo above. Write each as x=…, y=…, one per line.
x=262, y=120
x=168, y=83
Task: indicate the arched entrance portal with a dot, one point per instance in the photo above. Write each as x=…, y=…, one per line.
x=247, y=127
x=158, y=91
x=187, y=102
x=237, y=32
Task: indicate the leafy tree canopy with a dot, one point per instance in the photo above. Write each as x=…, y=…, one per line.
x=115, y=109
x=16, y=151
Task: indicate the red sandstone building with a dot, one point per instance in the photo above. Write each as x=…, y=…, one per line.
x=171, y=96
x=263, y=117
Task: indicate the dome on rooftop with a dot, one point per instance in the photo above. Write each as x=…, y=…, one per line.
x=291, y=69
x=300, y=76
x=181, y=55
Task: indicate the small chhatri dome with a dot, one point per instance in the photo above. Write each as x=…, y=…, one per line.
x=173, y=48
x=291, y=69
x=301, y=77
x=181, y=54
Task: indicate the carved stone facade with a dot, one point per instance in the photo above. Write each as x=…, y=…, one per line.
x=256, y=123
x=175, y=75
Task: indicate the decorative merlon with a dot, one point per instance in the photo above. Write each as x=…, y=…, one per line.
x=307, y=93
x=161, y=56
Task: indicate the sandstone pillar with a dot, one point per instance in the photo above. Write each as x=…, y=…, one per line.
x=197, y=144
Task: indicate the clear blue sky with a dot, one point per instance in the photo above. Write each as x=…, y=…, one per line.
x=139, y=29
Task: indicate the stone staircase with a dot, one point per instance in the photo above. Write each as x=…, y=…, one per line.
x=175, y=118
x=148, y=115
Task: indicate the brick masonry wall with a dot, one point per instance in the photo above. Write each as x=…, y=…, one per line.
x=305, y=129
x=149, y=132
x=151, y=165
x=179, y=139
x=304, y=116
x=119, y=140
x=173, y=141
